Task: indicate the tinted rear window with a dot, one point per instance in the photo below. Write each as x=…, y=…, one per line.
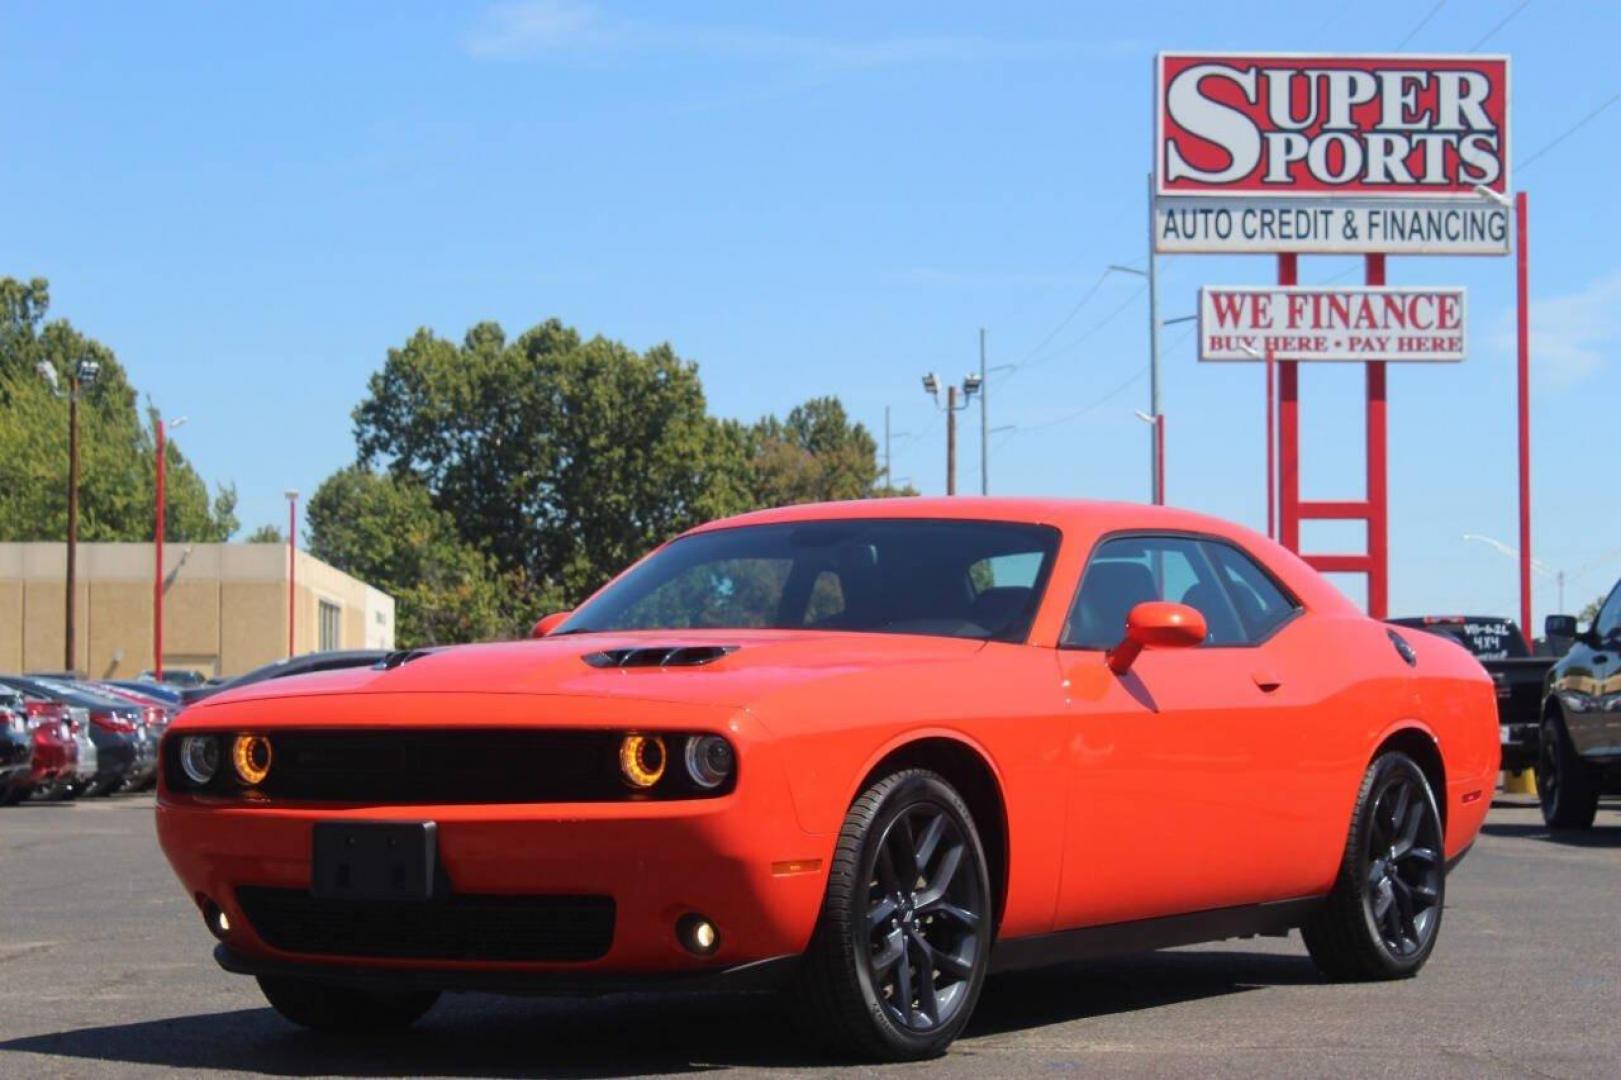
x=1487, y=639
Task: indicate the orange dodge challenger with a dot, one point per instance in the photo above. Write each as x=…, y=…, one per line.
x=865, y=752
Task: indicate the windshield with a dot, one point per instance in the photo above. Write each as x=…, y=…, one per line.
x=966, y=579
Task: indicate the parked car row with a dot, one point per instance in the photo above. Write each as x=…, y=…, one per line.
x=63, y=736
x=67, y=737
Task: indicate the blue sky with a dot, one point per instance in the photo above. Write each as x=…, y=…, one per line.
x=252, y=204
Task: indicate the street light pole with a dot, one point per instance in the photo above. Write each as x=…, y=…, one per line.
x=158, y=512
x=1153, y=349
x=1523, y=303
x=69, y=663
x=292, y=562
x=971, y=385
x=984, y=423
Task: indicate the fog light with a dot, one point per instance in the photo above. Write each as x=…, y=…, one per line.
x=697, y=935
x=251, y=756
x=641, y=760
x=216, y=920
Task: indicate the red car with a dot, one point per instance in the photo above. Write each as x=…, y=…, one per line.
x=866, y=751
x=54, y=766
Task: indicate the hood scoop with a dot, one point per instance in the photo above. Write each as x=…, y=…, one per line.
x=659, y=656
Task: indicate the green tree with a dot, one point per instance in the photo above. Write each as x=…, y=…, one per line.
x=117, y=459
x=386, y=531
x=562, y=460
x=265, y=534
x=815, y=455
x=497, y=480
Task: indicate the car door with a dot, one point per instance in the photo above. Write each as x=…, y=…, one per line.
x=1597, y=727
x=1181, y=770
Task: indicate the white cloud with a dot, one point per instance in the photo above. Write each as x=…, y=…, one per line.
x=1571, y=335
x=528, y=28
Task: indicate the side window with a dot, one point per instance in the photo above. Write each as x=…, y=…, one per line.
x=1608, y=623
x=1262, y=607
x=1129, y=570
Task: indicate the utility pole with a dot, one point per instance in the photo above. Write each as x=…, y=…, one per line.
x=951, y=440
x=984, y=423
x=80, y=376
x=1153, y=350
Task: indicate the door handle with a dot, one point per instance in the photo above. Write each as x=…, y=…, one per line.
x=1268, y=681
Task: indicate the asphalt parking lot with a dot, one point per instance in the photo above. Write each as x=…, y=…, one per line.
x=105, y=971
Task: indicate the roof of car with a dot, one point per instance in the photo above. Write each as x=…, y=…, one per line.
x=1054, y=511
x=1085, y=515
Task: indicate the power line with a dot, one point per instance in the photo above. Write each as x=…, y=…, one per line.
x=1085, y=335
x=1422, y=23
x=1568, y=132
x=1086, y=298
x=1504, y=21
x=1096, y=403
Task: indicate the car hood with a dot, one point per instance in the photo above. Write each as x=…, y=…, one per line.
x=757, y=663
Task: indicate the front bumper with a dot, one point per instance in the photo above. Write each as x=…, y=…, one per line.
x=740, y=861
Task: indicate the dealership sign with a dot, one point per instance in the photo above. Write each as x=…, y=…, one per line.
x=1348, y=323
x=1259, y=152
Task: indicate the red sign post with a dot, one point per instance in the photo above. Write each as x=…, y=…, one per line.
x=1367, y=155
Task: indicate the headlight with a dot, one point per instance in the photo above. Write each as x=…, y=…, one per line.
x=709, y=760
x=251, y=756
x=1575, y=702
x=641, y=760
x=200, y=758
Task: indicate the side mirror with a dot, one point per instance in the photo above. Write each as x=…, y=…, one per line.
x=548, y=623
x=1157, y=624
x=1560, y=626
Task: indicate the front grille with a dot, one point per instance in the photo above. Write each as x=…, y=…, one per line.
x=510, y=928
x=407, y=767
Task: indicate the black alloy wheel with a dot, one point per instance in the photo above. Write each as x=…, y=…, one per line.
x=925, y=915
x=899, y=956
x=1383, y=915
x=1406, y=874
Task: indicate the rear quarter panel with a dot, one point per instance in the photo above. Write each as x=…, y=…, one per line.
x=1458, y=702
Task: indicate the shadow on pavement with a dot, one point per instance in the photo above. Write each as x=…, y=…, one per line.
x=1599, y=836
x=478, y=1035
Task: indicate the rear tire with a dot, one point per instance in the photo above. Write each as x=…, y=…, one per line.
x=322, y=1006
x=1383, y=916
x=1565, y=787
x=898, y=958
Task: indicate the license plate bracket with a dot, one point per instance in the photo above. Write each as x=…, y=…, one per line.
x=374, y=860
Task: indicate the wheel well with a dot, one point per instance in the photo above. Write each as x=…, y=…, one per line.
x=1422, y=749
x=964, y=769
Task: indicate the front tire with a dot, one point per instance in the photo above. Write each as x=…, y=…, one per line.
x=323, y=1006
x=1383, y=916
x=1565, y=787
x=898, y=958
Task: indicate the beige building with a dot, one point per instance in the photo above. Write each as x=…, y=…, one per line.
x=225, y=608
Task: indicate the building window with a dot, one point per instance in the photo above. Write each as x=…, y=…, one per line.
x=331, y=626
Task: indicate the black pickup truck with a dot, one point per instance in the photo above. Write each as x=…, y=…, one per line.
x=1581, y=731
x=1502, y=651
